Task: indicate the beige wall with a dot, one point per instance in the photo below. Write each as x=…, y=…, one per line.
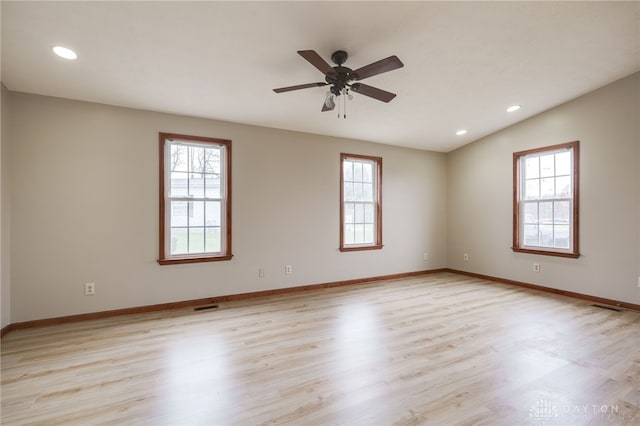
x=480, y=196
x=83, y=206
x=84, y=201
x=5, y=251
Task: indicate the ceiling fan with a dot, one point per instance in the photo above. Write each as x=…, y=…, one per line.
x=343, y=79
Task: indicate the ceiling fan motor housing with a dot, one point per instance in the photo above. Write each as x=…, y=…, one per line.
x=339, y=57
x=340, y=78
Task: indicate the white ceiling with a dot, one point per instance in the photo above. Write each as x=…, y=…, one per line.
x=465, y=62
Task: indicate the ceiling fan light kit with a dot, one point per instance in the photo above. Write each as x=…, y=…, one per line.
x=343, y=79
x=330, y=101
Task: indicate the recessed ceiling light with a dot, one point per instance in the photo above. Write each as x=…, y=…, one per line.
x=513, y=108
x=461, y=132
x=65, y=53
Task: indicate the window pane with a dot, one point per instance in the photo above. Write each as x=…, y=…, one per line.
x=563, y=163
x=531, y=235
x=367, y=192
x=547, y=188
x=212, y=240
x=368, y=234
x=545, y=212
x=212, y=186
x=367, y=172
x=196, y=240
x=561, y=236
x=349, y=234
x=179, y=213
x=359, y=233
x=563, y=186
x=532, y=167
x=546, y=165
x=546, y=235
x=178, y=185
x=349, y=213
x=212, y=213
x=348, y=170
x=357, y=191
x=359, y=213
x=178, y=160
x=531, y=213
x=212, y=160
x=179, y=241
x=196, y=157
x=561, y=212
x=196, y=213
x=348, y=192
x=532, y=189
x=357, y=172
x=196, y=185
x=368, y=213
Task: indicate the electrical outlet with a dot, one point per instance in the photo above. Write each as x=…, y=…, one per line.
x=536, y=267
x=89, y=289
x=425, y=256
x=261, y=272
x=638, y=282
x=288, y=269
x=466, y=257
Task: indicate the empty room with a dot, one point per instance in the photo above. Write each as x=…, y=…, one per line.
x=320, y=213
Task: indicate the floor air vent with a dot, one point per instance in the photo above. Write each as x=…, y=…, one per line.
x=204, y=308
x=611, y=308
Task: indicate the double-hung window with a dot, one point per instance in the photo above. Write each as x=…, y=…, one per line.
x=545, y=205
x=360, y=202
x=195, y=199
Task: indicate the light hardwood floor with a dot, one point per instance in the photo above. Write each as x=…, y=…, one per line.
x=439, y=349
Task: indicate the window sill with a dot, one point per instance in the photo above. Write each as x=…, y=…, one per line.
x=361, y=248
x=547, y=252
x=180, y=260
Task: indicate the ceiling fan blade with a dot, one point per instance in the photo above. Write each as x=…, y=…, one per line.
x=383, y=65
x=316, y=60
x=373, y=92
x=299, y=86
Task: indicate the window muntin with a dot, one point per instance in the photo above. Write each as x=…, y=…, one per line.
x=360, y=202
x=546, y=200
x=195, y=214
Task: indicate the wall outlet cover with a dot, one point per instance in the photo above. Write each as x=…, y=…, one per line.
x=89, y=289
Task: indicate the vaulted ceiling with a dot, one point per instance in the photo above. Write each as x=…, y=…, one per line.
x=464, y=62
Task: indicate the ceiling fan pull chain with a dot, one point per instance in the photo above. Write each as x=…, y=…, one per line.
x=346, y=92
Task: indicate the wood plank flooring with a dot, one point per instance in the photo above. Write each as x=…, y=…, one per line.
x=439, y=349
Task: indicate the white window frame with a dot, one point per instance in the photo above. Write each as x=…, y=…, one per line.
x=519, y=218
x=167, y=140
